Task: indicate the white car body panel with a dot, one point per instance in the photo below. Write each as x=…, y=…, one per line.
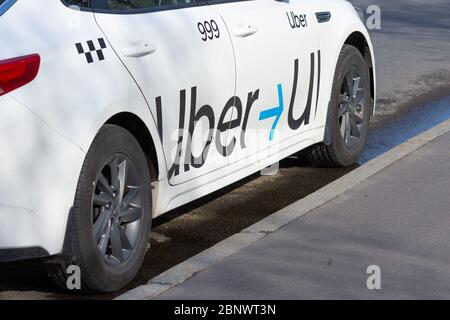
x=48, y=125
x=61, y=70
x=169, y=70
x=344, y=22
x=266, y=72
x=28, y=177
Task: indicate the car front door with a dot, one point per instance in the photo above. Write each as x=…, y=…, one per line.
x=181, y=56
x=278, y=66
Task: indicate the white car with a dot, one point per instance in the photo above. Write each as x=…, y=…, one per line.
x=113, y=112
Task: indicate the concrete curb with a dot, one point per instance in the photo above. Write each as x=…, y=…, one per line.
x=247, y=237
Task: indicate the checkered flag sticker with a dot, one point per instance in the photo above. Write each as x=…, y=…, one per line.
x=92, y=49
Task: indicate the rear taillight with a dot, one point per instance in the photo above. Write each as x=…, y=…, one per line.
x=17, y=72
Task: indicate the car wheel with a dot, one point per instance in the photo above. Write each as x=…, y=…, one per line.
x=111, y=217
x=348, y=115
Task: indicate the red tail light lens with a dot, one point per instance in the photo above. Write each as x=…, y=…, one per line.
x=17, y=72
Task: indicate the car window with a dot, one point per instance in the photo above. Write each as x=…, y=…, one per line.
x=5, y=5
x=137, y=4
x=78, y=3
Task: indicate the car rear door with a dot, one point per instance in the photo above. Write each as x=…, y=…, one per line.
x=181, y=56
x=277, y=58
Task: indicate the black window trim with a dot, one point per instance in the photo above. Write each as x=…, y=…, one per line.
x=153, y=9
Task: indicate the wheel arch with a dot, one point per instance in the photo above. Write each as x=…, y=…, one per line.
x=359, y=41
x=137, y=127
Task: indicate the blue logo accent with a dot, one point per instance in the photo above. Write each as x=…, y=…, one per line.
x=274, y=112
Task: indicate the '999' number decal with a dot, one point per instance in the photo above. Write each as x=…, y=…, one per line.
x=209, y=30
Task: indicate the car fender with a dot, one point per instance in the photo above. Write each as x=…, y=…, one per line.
x=333, y=35
x=138, y=108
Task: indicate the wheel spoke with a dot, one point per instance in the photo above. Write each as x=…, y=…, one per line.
x=130, y=215
x=114, y=168
x=122, y=176
x=116, y=243
x=347, y=128
x=344, y=98
x=355, y=132
x=104, y=239
x=356, y=82
x=343, y=124
x=131, y=195
x=125, y=241
x=344, y=103
x=104, y=186
x=102, y=199
x=101, y=224
x=359, y=99
x=343, y=108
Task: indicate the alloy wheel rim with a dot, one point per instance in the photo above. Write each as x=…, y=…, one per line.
x=352, y=107
x=117, y=210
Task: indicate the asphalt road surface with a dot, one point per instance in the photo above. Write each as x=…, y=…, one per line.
x=413, y=61
x=413, y=53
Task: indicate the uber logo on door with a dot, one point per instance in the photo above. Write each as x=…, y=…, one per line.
x=297, y=21
x=188, y=121
x=91, y=48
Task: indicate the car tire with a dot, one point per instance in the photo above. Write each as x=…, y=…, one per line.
x=111, y=218
x=347, y=131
